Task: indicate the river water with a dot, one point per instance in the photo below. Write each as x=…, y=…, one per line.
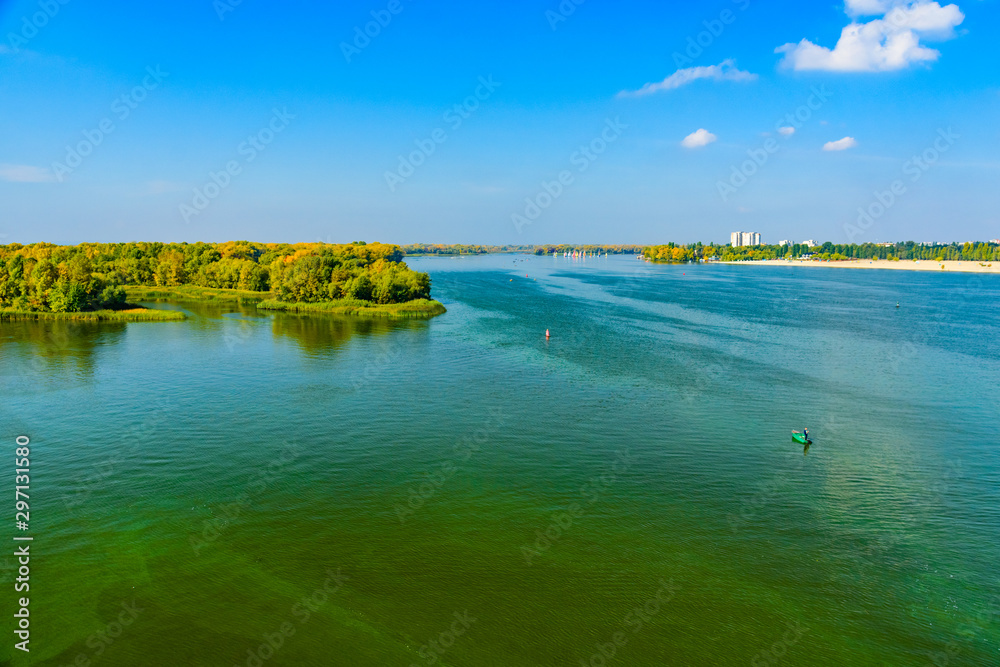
x=239, y=489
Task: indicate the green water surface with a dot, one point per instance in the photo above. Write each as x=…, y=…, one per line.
x=462, y=491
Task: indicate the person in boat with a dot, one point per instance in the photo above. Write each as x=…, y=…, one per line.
x=805, y=433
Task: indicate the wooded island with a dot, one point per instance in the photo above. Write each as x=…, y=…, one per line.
x=96, y=280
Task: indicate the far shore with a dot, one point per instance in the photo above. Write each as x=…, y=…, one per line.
x=901, y=265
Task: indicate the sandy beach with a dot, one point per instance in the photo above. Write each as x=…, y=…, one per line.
x=901, y=265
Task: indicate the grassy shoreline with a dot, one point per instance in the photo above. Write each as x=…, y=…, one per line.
x=265, y=301
x=425, y=308
x=194, y=293
x=135, y=314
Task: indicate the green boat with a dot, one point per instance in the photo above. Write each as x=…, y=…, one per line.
x=801, y=439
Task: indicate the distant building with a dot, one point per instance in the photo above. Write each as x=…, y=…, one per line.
x=810, y=243
x=995, y=241
x=739, y=239
x=784, y=243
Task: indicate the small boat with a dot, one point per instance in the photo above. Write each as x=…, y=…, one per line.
x=801, y=439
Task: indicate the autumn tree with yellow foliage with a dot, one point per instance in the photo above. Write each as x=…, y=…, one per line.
x=45, y=277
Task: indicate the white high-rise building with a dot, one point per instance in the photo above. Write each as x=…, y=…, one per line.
x=739, y=239
x=782, y=244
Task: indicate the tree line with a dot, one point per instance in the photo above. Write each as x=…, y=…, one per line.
x=968, y=252
x=47, y=277
x=455, y=249
x=444, y=249
x=589, y=248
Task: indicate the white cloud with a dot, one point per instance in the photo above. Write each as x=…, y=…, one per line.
x=698, y=139
x=21, y=173
x=928, y=19
x=787, y=130
x=840, y=144
x=724, y=71
x=881, y=45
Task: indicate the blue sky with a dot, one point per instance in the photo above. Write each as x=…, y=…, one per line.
x=254, y=120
